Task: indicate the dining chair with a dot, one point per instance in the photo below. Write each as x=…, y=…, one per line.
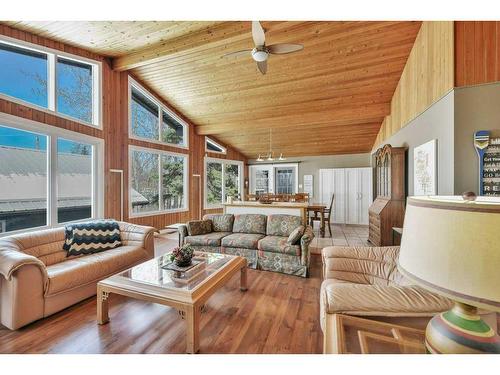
x=327, y=214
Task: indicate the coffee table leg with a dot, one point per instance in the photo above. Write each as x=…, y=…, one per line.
x=243, y=280
x=193, y=329
x=102, y=306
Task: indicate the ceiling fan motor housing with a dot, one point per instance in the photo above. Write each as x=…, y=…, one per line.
x=260, y=54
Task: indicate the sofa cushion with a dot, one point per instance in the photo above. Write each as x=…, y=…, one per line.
x=278, y=244
x=76, y=272
x=294, y=237
x=282, y=225
x=242, y=240
x=221, y=222
x=91, y=237
x=337, y=296
x=250, y=223
x=208, y=239
x=197, y=227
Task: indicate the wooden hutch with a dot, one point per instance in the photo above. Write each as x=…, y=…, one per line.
x=388, y=209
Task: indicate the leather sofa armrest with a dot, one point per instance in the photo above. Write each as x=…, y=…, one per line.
x=183, y=232
x=305, y=241
x=12, y=259
x=138, y=235
x=362, y=265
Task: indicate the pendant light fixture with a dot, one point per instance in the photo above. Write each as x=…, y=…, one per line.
x=270, y=156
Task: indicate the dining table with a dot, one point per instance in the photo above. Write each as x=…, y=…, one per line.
x=318, y=208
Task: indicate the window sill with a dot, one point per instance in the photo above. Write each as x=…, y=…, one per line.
x=50, y=112
x=156, y=213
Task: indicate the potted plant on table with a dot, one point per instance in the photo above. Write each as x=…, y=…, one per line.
x=182, y=256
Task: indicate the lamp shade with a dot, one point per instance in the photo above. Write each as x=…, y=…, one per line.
x=452, y=247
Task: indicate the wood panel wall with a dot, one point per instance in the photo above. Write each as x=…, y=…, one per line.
x=115, y=134
x=477, y=52
x=427, y=76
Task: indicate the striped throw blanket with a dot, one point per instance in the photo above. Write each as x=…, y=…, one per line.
x=91, y=237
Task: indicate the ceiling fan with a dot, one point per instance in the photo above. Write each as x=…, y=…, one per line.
x=260, y=53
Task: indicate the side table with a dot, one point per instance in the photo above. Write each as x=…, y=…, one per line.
x=345, y=334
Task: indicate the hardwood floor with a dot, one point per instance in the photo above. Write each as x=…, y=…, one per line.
x=278, y=314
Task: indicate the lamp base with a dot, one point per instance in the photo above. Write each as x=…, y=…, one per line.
x=460, y=331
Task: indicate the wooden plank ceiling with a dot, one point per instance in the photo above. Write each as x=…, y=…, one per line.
x=330, y=98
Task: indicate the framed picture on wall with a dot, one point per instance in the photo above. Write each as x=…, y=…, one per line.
x=425, y=169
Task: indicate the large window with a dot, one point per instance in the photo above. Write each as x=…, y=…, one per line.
x=223, y=178
x=74, y=180
x=48, y=176
x=158, y=181
x=151, y=121
x=50, y=80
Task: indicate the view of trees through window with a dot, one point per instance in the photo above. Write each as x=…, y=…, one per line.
x=173, y=182
x=74, y=89
x=20, y=67
x=232, y=180
x=223, y=180
x=144, y=116
x=145, y=181
x=171, y=131
x=145, y=122
x=25, y=75
x=214, y=183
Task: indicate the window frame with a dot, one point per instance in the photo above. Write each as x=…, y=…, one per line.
x=160, y=211
x=52, y=55
x=161, y=107
x=216, y=144
x=53, y=133
x=224, y=162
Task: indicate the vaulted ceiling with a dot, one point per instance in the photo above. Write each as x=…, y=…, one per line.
x=330, y=98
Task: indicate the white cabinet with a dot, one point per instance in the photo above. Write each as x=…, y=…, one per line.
x=353, y=193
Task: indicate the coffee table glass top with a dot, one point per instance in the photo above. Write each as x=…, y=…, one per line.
x=153, y=272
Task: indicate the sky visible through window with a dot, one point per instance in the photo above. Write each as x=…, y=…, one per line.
x=24, y=76
x=17, y=76
x=22, y=139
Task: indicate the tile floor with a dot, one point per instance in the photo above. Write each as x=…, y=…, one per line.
x=342, y=235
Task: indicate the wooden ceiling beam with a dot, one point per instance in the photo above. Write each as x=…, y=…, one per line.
x=218, y=35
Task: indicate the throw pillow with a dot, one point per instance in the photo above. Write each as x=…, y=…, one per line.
x=91, y=237
x=197, y=227
x=294, y=237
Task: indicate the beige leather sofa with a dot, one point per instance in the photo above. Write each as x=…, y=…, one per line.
x=365, y=281
x=37, y=279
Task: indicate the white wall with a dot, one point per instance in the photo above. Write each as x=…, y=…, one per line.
x=437, y=122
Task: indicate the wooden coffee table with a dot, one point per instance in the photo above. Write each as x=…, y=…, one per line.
x=186, y=292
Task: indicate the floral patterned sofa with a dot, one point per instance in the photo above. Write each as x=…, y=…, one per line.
x=278, y=243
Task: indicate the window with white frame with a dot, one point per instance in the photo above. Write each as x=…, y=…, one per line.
x=151, y=121
x=212, y=146
x=158, y=181
x=48, y=176
x=50, y=80
x=223, y=178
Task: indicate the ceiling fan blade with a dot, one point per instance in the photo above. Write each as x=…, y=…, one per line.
x=258, y=35
x=262, y=65
x=238, y=53
x=282, y=48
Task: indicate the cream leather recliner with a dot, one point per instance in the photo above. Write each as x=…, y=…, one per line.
x=365, y=281
x=37, y=279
